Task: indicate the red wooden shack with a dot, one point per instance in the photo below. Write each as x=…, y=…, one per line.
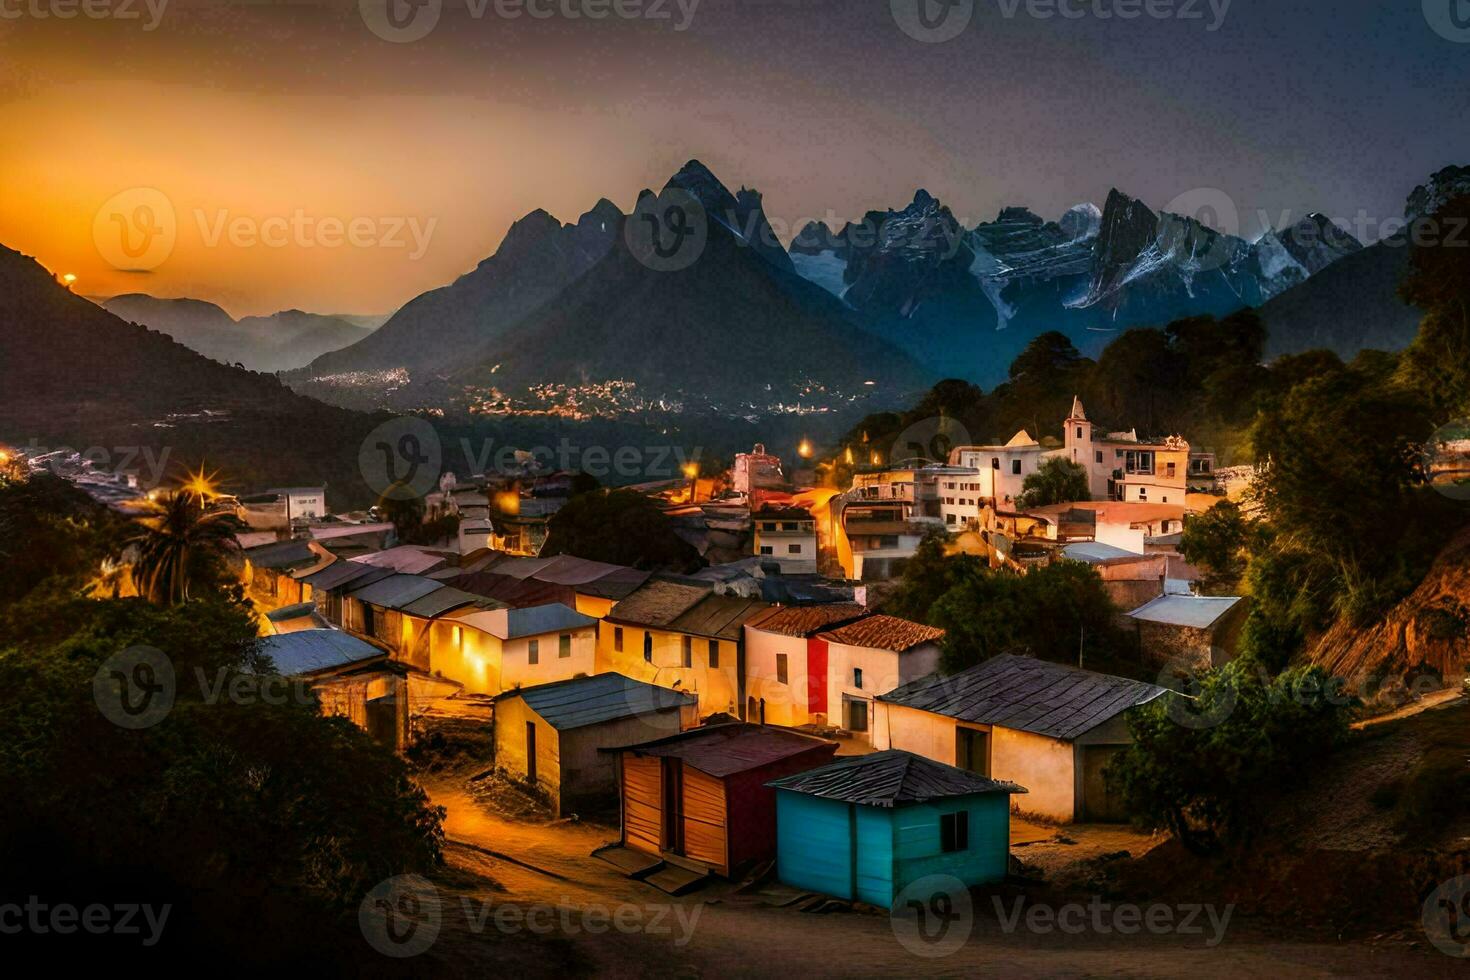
x=700, y=798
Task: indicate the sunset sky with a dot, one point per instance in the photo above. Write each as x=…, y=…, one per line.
x=261, y=115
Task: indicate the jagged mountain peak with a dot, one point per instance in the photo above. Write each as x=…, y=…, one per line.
x=1081, y=221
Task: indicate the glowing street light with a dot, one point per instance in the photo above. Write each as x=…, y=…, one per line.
x=804, y=450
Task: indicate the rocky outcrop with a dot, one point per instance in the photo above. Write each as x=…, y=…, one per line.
x=1429, y=629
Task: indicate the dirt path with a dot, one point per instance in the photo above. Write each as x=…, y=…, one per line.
x=1435, y=699
x=544, y=875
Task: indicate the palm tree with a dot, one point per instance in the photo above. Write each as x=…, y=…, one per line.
x=177, y=544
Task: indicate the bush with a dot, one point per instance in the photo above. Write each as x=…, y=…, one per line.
x=1207, y=766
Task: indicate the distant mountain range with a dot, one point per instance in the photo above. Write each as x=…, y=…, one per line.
x=279, y=342
x=567, y=318
x=584, y=318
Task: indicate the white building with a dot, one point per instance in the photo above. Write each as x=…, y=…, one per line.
x=1120, y=466
x=996, y=474
x=871, y=657
x=787, y=535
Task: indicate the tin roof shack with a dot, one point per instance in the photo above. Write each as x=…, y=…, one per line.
x=399, y=612
x=552, y=735
x=489, y=651
x=867, y=827
x=1189, y=630
x=1053, y=727
x=701, y=798
x=351, y=678
x=870, y=657
x=786, y=662
x=271, y=572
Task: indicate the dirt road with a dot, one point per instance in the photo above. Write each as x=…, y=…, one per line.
x=540, y=882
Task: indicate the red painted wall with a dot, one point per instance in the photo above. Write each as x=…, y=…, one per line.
x=816, y=675
x=751, y=805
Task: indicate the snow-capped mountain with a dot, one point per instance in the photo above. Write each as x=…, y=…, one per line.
x=965, y=302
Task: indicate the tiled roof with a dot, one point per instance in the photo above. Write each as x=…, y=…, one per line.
x=889, y=779
x=512, y=624
x=885, y=633
x=659, y=602
x=805, y=620
x=1028, y=695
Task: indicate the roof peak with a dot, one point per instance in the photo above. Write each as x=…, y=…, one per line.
x=1079, y=414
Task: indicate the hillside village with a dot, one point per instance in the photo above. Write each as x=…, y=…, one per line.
x=718, y=718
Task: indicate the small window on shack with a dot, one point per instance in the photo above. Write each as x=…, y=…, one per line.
x=954, y=832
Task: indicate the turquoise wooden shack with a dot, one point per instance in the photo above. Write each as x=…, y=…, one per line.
x=865, y=827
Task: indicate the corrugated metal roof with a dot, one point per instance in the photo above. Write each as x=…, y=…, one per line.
x=283, y=554
x=511, y=624
x=885, y=633
x=310, y=651
x=1026, y=694
x=889, y=779
x=513, y=591
x=409, y=559
x=724, y=750
x=441, y=601
x=583, y=701
x=346, y=573
x=1200, y=612
x=718, y=616
x=805, y=620
x=396, y=591
x=1095, y=552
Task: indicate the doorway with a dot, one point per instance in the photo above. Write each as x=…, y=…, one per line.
x=531, y=751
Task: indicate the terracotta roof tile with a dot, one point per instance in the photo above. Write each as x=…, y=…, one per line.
x=885, y=633
x=806, y=620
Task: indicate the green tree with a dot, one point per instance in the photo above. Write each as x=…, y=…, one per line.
x=927, y=576
x=181, y=548
x=1218, y=542
x=620, y=527
x=1208, y=766
x=1438, y=282
x=1057, y=481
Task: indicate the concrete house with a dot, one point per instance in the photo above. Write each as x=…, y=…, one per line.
x=788, y=536
x=1051, y=727
x=552, y=735
x=999, y=475
x=701, y=798
x=678, y=633
x=351, y=678
x=786, y=662
x=1199, y=631
x=494, y=650
x=1120, y=466
x=871, y=657
x=867, y=827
